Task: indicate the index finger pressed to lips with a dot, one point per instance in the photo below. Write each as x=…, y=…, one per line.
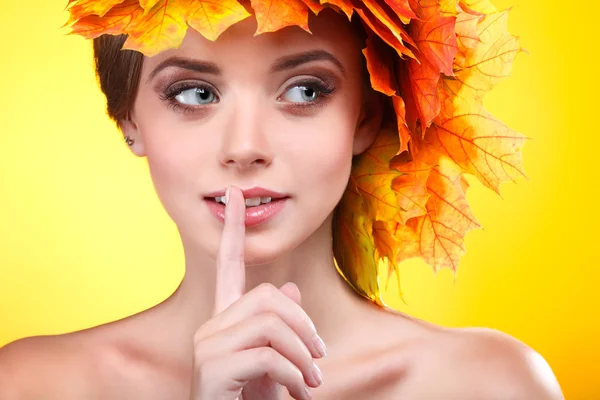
x=230, y=283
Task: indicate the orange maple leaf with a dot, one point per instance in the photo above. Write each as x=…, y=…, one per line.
x=272, y=15
x=117, y=20
x=379, y=59
x=395, y=28
x=344, y=6
x=162, y=26
x=435, y=35
x=89, y=7
x=315, y=6
x=436, y=40
x=402, y=10
x=419, y=84
x=384, y=33
x=403, y=130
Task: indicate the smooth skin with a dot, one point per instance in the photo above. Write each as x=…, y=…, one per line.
x=249, y=317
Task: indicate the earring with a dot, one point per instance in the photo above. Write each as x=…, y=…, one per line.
x=129, y=140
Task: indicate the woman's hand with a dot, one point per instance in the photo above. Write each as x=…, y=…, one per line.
x=256, y=342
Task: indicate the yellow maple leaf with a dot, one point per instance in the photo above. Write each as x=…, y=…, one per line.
x=411, y=188
x=477, y=6
x=148, y=4
x=354, y=247
x=489, y=61
x=373, y=177
x=449, y=7
x=466, y=34
x=367, y=199
x=211, y=18
x=164, y=26
x=475, y=140
x=438, y=236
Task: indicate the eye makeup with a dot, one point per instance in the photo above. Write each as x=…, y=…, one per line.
x=324, y=87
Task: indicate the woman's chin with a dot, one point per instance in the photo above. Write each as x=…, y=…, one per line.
x=262, y=251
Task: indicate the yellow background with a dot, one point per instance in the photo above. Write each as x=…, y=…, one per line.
x=84, y=239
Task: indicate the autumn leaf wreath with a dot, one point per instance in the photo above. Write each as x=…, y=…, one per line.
x=434, y=59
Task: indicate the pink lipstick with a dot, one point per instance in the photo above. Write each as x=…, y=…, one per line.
x=261, y=204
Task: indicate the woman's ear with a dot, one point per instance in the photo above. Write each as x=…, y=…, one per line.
x=130, y=130
x=369, y=122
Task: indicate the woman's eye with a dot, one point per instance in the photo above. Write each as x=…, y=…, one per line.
x=196, y=96
x=301, y=94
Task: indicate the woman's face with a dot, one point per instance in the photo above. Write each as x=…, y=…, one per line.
x=281, y=111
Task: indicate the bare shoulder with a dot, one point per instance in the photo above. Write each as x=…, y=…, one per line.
x=34, y=367
x=85, y=364
x=480, y=363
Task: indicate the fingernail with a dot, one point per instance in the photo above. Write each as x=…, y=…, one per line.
x=307, y=393
x=317, y=374
x=227, y=195
x=320, y=346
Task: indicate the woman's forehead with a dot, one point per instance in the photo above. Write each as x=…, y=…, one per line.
x=330, y=31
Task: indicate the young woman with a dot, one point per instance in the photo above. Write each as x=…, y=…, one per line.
x=250, y=140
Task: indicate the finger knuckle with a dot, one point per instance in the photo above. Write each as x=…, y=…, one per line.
x=267, y=295
x=266, y=357
x=270, y=321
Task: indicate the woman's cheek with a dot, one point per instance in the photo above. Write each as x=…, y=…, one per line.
x=328, y=166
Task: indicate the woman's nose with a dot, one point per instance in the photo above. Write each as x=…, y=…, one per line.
x=245, y=142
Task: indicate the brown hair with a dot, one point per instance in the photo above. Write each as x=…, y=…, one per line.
x=118, y=72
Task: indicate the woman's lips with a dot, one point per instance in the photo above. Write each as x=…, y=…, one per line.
x=254, y=215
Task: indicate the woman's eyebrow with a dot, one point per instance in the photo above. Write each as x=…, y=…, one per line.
x=294, y=60
x=281, y=64
x=186, y=63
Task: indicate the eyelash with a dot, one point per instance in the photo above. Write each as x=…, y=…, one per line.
x=324, y=89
